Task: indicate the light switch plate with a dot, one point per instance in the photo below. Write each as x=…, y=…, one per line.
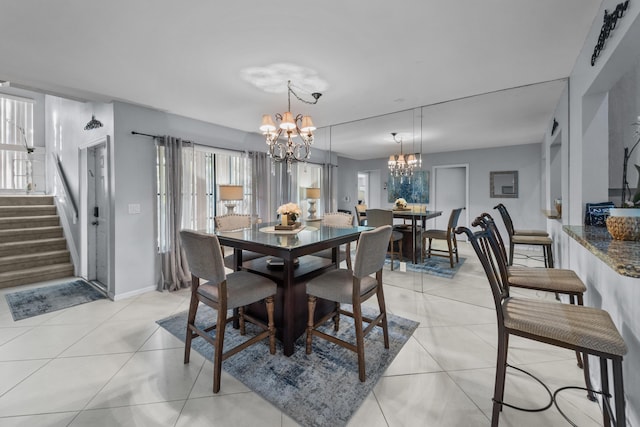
x=134, y=208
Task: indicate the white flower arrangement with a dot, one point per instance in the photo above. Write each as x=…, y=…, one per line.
x=291, y=210
x=400, y=203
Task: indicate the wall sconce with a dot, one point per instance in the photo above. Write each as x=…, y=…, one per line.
x=312, y=194
x=229, y=194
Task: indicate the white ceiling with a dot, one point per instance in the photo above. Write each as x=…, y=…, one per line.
x=376, y=57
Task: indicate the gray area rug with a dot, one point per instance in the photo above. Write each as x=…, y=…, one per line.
x=434, y=266
x=33, y=302
x=320, y=389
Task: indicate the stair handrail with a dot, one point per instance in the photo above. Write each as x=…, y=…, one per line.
x=65, y=185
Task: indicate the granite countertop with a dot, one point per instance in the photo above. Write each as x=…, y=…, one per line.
x=621, y=255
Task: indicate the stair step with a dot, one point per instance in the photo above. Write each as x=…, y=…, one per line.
x=30, y=210
x=29, y=222
x=32, y=246
x=36, y=274
x=36, y=233
x=15, y=200
x=39, y=259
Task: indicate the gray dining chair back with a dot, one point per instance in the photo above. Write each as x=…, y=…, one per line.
x=337, y=219
x=223, y=292
x=371, y=251
x=204, y=255
x=380, y=217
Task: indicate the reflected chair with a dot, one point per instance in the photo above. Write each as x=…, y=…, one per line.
x=380, y=217
x=360, y=213
x=526, y=237
x=581, y=329
x=353, y=287
x=339, y=220
x=235, y=222
x=223, y=292
x=556, y=280
x=448, y=235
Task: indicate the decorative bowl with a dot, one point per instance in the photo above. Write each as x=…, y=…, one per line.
x=624, y=227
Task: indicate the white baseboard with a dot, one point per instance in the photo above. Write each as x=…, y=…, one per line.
x=131, y=294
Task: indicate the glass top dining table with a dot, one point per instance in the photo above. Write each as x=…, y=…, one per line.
x=296, y=249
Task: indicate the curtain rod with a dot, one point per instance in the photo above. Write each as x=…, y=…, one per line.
x=133, y=132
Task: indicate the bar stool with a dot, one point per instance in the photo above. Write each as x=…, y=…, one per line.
x=582, y=329
x=534, y=238
x=558, y=281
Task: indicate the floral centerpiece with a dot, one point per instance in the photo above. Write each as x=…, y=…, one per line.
x=291, y=210
x=400, y=203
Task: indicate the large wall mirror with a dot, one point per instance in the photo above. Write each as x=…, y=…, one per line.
x=504, y=184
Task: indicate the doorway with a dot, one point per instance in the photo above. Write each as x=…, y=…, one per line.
x=451, y=191
x=95, y=213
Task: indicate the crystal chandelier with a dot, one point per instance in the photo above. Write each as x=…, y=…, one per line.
x=401, y=165
x=288, y=150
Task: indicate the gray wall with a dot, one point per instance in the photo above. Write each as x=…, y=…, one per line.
x=525, y=210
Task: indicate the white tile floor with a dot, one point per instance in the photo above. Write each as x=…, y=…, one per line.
x=109, y=364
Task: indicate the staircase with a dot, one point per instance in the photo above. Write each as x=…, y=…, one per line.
x=32, y=244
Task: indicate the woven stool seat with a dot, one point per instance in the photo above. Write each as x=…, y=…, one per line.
x=531, y=232
x=546, y=279
x=531, y=240
x=576, y=326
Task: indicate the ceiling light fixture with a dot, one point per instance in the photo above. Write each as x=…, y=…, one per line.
x=302, y=126
x=401, y=165
x=93, y=123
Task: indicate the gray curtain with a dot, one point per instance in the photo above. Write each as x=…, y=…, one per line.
x=174, y=270
x=260, y=191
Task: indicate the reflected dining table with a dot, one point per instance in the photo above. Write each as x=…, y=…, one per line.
x=416, y=216
x=290, y=262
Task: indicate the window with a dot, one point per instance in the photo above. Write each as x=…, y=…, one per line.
x=16, y=134
x=203, y=170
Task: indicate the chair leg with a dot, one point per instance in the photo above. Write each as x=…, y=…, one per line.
x=450, y=252
x=455, y=245
x=501, y=372
x=311, y=302
x=357, y=320
x=271, y=325
x=422, y=249
x=618, y=390
x=583, y=360
x=391, y=251
x=429, y=251
x=550, y=256
x=336, y=318
x=383, y=309
x=191, y=319
x=219, y=340
x=604, y=384
x=243, y=328
x=511, y=254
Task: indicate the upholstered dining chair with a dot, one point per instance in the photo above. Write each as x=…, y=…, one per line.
x=581, y=329
x=380, y=217
x=223, y=292
x=353, y=287
x=526, y=237
x=556, y=280
x=447, y=235
x=234, y=222
x=360, y=213
x=339, y=220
